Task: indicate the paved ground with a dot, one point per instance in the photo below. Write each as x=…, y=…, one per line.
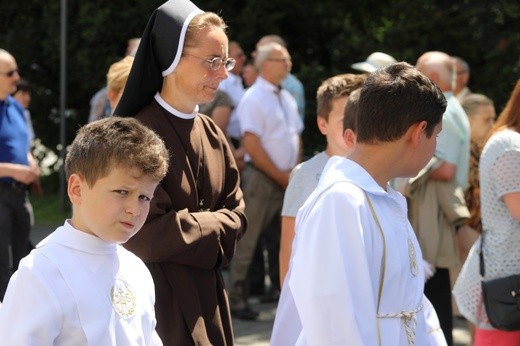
x=258, y=333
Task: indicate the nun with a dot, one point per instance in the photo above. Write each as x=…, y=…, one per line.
x=197, y=212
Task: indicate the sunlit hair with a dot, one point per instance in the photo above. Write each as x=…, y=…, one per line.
x=199, y=23
x=263, y=52
x=118, y=74
x=393, y=99
x=472, y=102
x=102, y=145
x=510, y=116
x=351, y=111
x=335, y=87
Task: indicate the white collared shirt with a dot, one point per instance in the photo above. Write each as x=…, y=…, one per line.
x=272, y=115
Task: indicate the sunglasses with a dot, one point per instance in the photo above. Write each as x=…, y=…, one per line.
x=9, y=73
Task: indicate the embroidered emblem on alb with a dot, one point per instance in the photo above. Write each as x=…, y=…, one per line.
x=413, y=259
x=123, y=299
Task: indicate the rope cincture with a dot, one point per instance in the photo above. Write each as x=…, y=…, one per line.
x=409, y=320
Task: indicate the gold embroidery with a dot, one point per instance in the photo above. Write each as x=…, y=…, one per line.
x=123, y=299
x=413, y=259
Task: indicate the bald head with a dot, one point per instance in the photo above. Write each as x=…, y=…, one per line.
x=438, y=66
x=8, y=74
x=271, y=39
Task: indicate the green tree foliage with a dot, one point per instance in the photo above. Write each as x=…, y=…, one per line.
x=324, y=37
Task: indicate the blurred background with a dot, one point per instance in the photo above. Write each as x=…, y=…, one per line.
x=324, y=38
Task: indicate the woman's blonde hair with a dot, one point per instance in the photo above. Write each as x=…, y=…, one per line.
x=118, y=74
x=200, y=22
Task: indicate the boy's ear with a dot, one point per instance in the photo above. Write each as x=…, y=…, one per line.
x=322, y=124
x=74, y=188
x=418, y=132
x=350, y=138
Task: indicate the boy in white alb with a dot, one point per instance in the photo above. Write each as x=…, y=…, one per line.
x=79, y=286
x=332, y=122
x=356, y=274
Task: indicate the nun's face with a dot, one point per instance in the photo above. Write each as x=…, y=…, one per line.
x=196, y=80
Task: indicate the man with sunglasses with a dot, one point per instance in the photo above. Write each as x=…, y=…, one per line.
x=18, y=169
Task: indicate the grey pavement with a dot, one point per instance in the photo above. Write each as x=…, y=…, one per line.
x=258, y=333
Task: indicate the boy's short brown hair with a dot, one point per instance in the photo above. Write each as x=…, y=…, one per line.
x=351, y=111
x=334, y=88
x=393, y=99
x=110, y=142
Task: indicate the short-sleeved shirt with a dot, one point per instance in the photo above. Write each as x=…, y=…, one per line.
x=499, y=175
x=295, y=87
x=272, y=115
x=14, y=137
x=221, y=99
x=234, y=87
x=453, y=143
x=304, y=179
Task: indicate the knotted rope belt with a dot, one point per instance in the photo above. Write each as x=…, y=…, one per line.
x=409, y=320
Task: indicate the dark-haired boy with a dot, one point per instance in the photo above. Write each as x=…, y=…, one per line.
x=356, y=275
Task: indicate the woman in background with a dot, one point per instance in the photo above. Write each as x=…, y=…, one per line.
x=500, y=206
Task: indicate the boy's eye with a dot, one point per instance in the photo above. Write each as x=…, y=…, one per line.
x=121, y=192
x=145, y=198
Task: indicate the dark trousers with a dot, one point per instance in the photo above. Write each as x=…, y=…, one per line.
x=438, y=290
x=15, y=226
x=269, y=241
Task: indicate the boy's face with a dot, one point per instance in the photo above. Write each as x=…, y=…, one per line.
x=116, y=207
x=426, y=148
x=333, y=129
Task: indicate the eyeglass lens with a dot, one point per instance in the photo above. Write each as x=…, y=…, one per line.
x=216, y=63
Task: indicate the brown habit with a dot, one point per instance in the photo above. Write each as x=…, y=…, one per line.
x=183, y=247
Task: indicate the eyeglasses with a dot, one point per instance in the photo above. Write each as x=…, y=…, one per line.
x=10, y=73
x=217, y=62
x=279, y=59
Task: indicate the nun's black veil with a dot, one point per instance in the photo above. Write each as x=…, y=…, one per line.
x=158, y=54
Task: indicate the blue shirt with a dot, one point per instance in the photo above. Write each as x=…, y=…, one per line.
x=14, y=138
x=295, y=87
x=454, y=139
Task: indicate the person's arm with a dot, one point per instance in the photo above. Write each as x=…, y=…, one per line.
x=21, y=173
x=36, y=184
x=512, y=202
x=445, y=172
x=200, y=239
x=286, y=240
x=30, y=313
x=262, y=161
x=507, y=180
x=334, y=298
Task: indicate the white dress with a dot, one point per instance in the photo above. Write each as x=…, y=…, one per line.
x=76, y=289
x=499, y=170
x=331, y=291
